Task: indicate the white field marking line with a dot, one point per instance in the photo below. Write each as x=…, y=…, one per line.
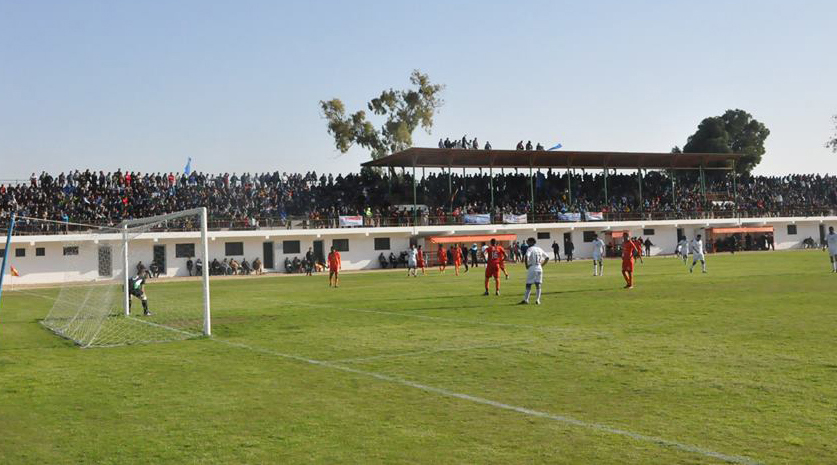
x=432, y=351
x=491, y=403
x=438, y=318
x=190, y=334
x=33, y=294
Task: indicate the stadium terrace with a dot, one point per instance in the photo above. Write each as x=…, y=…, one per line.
x=374, y=215
x=656, y=188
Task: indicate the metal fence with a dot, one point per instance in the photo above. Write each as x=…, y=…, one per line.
x=28, y=227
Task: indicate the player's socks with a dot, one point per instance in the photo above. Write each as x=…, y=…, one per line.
x=527, y=293
x=538, y=294
x=595, y=269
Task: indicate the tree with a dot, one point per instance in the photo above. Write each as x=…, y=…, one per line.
x=736, y=131
x=832, y=143
x=404, y=110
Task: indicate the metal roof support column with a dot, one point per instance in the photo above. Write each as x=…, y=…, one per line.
x=569, y=187
x=606, y=201
x=464, y=187
x=491, y=183
x=532, y=192
x=735, y=187
x=702, y=183
x=673, y=175
x=639, y=180
x=415, y=200
x=450, y=187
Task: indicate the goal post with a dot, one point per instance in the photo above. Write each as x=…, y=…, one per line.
x=127, y=225
x=94, y=300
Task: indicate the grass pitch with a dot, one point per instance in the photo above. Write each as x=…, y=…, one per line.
x=737, y=365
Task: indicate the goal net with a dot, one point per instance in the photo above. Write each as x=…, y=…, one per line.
x=131, y=285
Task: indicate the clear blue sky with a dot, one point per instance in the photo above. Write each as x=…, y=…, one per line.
x=235, y=85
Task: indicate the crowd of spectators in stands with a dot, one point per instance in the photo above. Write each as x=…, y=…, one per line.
x=386, y=197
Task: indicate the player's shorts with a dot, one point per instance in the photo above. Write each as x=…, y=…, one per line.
x=411, y=263
x=832, y=252
x=698, y=257
x=492, y=271
x=534, y=276
x=597, y=258
x=333, y=269
x=627, y=265
x=457, y=262
x=137, y=294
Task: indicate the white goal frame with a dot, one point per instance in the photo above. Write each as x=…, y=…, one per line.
x=203, y=255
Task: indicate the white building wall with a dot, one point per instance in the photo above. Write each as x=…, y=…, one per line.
x=54, y=267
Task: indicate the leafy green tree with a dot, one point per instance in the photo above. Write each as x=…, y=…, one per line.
x=403, y=110
x=832, y=143
x=736, y=131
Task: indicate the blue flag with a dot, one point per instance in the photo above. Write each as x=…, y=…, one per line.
x=188, y=169
x=556, y=147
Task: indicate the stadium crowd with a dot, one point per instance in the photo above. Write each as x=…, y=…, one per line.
x=386, y=198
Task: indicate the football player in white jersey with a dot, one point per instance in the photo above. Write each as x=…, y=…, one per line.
x=534, y=260
x=698, y=253
x=412, y=260
x=831, y=240
x=683, y=249
x=598, y=255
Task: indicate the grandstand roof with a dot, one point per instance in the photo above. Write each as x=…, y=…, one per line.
x=459, y=158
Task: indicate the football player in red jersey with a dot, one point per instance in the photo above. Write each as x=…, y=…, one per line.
x=494, y=256
x=443, y=259
x=457, y=258
x=630, y=249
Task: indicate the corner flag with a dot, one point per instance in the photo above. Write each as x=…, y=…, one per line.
x=13, y=270
x=556, y=147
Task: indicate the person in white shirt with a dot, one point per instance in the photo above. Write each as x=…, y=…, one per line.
x=412, y=260
x=534, y=260
x=698, y=253
x=683, y=249
x=831, y=240
x=598, y=255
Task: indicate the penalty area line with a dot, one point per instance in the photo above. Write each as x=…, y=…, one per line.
x=503, y=406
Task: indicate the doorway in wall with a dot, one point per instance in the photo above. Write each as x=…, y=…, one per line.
x=160, y=257
x=267, y=255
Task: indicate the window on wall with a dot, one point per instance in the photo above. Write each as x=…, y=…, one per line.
x=791, y=230
x=233, y=248
x=543, y=235
x=40, y=252
x=589, y=236
x=648, y=232
x=381, y=243
x=290, y=247
x=184, y=250
x=2, y=253
x=20, y=252
x=340, y=245
x=71, y=250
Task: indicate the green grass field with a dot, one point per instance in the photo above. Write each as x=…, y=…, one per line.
x=738, y=365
